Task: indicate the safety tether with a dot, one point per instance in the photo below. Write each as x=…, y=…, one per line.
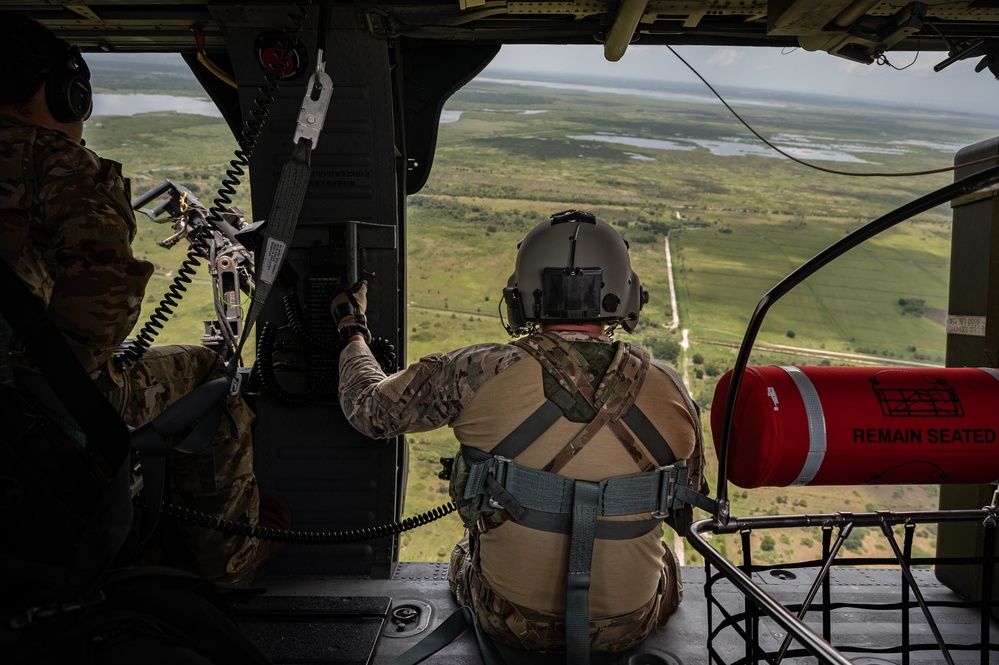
x=288, y=199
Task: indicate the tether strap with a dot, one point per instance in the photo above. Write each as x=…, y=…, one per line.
x=280, y=230
x=447, y=632
x=577, y=595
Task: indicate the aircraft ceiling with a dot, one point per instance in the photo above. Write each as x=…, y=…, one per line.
x=859, y=30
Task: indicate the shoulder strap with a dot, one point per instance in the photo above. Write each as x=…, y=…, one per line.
x=612, y=399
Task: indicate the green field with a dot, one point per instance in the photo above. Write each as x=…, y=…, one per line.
x=737, y=225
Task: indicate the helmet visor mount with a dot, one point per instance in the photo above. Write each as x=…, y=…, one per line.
x=571, y=295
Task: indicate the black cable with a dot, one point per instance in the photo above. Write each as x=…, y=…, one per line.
x=770, y=145
x=234, y=528
x=263, y=369
x=165, y=308
x=253, y=126
x=200, y=237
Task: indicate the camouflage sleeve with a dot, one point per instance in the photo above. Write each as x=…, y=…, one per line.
x=97, y=283
x=695, y=463
x=426, y=395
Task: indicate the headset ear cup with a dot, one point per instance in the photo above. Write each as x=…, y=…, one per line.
x=69, y=96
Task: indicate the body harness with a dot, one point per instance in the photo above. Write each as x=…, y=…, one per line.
x=541, y=499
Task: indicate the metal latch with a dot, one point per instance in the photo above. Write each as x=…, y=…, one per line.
x=314, y=106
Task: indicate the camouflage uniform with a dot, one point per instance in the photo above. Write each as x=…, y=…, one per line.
x=66, y=227
x=484, y=392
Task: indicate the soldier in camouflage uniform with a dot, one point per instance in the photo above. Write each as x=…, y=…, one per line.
x=66, y=227
x=512, y=573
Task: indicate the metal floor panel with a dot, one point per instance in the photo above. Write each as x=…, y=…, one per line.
x=422, y=588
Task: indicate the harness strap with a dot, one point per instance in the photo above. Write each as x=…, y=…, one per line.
x=448, y=631
x=639, y=423
x=6, y=341
x=545, y=492
x=623, y=377
x=586, y=497
x=283, y=219
x=111, y=523
x=35, y=383
x=543, y=500
x=534, y=426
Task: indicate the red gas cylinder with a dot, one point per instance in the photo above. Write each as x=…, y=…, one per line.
x=860, y=425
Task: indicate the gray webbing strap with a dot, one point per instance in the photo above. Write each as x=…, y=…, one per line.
x=605, y=530
x=449, y=630
x=650, y=437
x=534, y=426
x=534, y=489
x=281, y=224
x=577, y=593
x=289, y=195
x=35, y=382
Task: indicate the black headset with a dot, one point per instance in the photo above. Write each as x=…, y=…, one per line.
x=68, y=92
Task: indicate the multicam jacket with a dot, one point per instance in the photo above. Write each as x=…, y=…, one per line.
x=485, y=391
x=66, y=227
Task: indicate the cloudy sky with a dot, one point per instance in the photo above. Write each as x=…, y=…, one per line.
x=957, y=85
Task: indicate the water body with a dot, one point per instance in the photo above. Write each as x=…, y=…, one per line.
x=448, y=117
x=638, y=92
x=732, y=147
x=114, y=104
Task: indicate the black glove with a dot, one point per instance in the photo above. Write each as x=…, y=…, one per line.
x=347, y=308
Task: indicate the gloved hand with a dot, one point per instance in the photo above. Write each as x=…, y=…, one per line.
x=348, y=308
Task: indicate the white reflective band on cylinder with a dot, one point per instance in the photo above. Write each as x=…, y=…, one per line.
x=990, y=370
x=816, y=426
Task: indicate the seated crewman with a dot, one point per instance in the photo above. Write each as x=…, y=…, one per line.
x=563, y=412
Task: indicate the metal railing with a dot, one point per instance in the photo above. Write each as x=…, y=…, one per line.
x=745, y=621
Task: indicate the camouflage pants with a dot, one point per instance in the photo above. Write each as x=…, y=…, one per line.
x=218, y=481
x=533, y=630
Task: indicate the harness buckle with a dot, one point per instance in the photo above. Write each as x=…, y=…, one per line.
x=667, y=488
x=498, y=472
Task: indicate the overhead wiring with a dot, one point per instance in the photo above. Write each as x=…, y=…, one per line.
x=882, y=59
x=873, y=174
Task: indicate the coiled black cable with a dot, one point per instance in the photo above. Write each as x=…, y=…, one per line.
x=263, y=369
x=383, y=349
x=200, y=237
x=253, y=125
x=199, y=249
x=264, y=372
x=234, y=528
x=293, y=312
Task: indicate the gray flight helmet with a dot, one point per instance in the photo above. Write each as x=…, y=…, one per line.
x=573, y=268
